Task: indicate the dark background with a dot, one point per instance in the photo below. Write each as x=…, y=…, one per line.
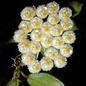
x=72, y=75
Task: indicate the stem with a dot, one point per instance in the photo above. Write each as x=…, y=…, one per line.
x=18, y=75
x=16, y=64
x=37, y=55
x=42, y=50
x=22, y=73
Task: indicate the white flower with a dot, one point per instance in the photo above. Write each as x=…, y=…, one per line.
x=67, y=24
x=28, y=58
x=25, y=25
x=42, y=11
x=36, y=35
x=46, y=28
x=57, y=42
x=35, y=47
x=66, y=50
x=34, y=67
x=53, y=18
x=27, y=13
x=69, y=37
x=24, y=47
x=60, y=61
x=36, y=23
x=65, y=13
x=19, y=36
x=46, y=41
x=51, y=53
x=57, y=30
x=46, y=64
x=53, y=7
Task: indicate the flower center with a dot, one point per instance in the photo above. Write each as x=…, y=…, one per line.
x=26, y=45
x=55, y=19
x=68, y=37
x=46, y=29
x=47, y=63
x=59, y=42
x=35, y=47
x=28, y=15
x=52, y=55
x=66, y=25
x=43, y=13
x=66, y=14
x=38, y=35
x=36, y=67
x=58, y=30
x=30, y=59
x=22, y=37
x=53, y=9
x=47, y=41
x=36, y=24
x=61, y=60
x=26, y=27
x=67, y=50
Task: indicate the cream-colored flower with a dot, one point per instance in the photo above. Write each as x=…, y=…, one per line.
x=35, y=47
x=28, y=58
x=53, y=7
x=19, y=36
x=53, y=18
x=65, y=13
x=67, y=24
x=60, y=61
x=36, y=23
x=46, y=64
x=66, y=50
x=36, y=35
x=42, y=11
x=25, y=25
x=27, y=13
x=69, y=37
x=51, y=53
x=24, y=47
x=46, y=41
x=46, y=28
x=57, y=42
x=34, y=67
x=57, y=30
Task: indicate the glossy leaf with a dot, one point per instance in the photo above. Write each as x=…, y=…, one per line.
x=76, y=6
x=43, y=79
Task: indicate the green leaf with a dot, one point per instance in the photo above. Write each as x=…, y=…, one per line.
x=74, y=27
x=43, y=79
x=13, y=83
x=77, y=7
x=11, y=41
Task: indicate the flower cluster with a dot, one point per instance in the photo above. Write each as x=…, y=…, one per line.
x=45, y=30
